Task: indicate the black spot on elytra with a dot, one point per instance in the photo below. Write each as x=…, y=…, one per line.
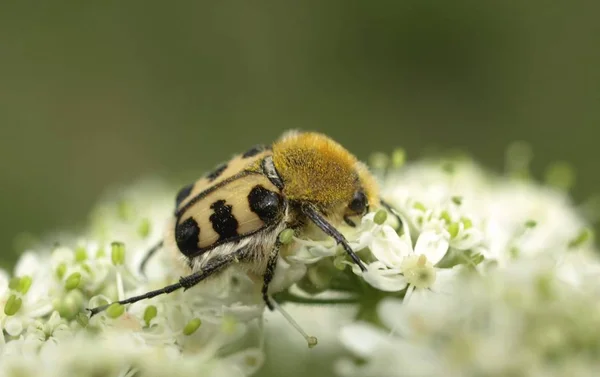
x=223, y=221
x=183, y=193
x=265, y=203
x=187, y=235
x=254, y=151
x=216, y=173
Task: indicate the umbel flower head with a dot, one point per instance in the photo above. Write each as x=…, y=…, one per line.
x=470, y=271
x=520, y=321
x=47, y=331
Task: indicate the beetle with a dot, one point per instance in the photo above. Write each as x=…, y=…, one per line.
x=235, y=213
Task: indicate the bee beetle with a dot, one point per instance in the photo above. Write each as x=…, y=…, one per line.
x=235, y=213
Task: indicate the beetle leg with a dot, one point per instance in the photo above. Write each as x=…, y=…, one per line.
x=213, y=266
x=269, y=273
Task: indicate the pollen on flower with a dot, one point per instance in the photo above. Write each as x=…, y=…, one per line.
x=25, y=284
x=286, y=236
x=73, y=281
x=457, y=200
x=61, y=269
x=453, y=229
x=418, y=271
x=115, y=310
x=251, y=360
x=467, y=223
x=398, y=158
x=144, y=228
x=80, y=254
x=100, y=253
x=229, y=325
x=192, y=326
x=149, y=314
x=117, y=253
x=12, y=306
x=380, y=217
x=582, y=237
x=530, y=223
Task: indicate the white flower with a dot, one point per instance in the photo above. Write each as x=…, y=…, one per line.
x=399, y=265
x=383, y=355
x=528, y=220
x=486, y=276
x=383, y=242
x=523, y=320
x=500, y=218
x=30, y=296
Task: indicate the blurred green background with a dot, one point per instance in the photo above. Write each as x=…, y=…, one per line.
x=94, y=94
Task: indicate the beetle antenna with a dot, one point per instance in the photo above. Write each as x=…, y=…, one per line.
x=391, y=210
x=213, y=266
x=313, y=214
x=147, y=257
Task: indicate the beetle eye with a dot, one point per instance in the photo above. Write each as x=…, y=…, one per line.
x=358, y=203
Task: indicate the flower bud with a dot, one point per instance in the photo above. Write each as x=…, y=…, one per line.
x=115, y=310
x=192, y=326
x=286, y=236
x=380, y=217
x=118, y=253
x=12, y=306
x=149, y=314
x=73, y=281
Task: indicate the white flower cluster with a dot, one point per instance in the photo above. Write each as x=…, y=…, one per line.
x=489, y=275
x=47, y=331
x=455, y=216
x=485, y=275
x=519, y=321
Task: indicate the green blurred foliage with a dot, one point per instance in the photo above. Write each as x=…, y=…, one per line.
x=94, y=94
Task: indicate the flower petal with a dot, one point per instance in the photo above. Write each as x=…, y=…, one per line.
x=382, y=278
x=433, y=245
x=363, y=339
x=389, y=248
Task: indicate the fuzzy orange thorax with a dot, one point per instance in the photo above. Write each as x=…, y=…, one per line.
x=316, y=169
